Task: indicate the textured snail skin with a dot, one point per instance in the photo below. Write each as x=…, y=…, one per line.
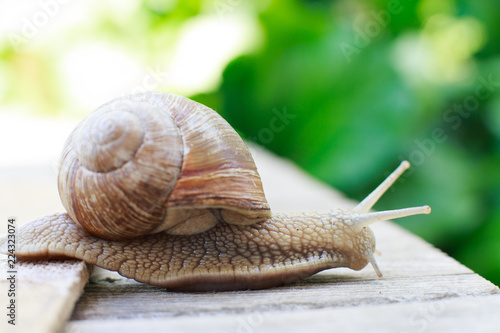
x=283, y=249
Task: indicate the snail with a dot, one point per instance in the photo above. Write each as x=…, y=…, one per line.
x=161, y=189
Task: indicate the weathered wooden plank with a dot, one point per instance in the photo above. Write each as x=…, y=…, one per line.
x=105, y=301
x=45, y=293
x=455, y=314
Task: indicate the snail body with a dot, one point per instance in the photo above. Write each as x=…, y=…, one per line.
x=182, y=235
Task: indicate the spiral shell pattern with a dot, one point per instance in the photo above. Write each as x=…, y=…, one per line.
x=155, y=162
x=118, y=169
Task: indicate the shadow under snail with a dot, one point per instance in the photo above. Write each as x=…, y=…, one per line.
x=161, y=189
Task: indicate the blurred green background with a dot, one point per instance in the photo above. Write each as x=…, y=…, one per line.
x=346, y=89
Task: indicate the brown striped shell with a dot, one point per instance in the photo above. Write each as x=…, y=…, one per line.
x=154, y=162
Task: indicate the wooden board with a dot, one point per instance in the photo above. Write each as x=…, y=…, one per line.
x=44, y=294
x=423, y=290
x=450, y=314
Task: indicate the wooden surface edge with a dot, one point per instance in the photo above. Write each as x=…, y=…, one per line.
x=45, y=293
x=474, y=314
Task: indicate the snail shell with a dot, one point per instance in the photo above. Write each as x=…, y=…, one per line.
x=154, y=162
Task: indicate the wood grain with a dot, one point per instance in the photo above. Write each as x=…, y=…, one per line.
x=45, y=294
x=459, y=314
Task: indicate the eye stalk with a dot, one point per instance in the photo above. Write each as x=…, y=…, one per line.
x=364, y=220
x=361, y=217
